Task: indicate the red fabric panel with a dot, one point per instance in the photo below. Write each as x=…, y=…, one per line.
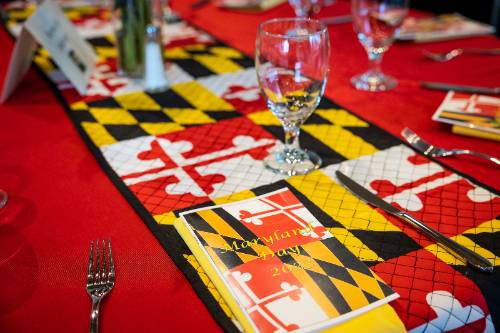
x=60, y=200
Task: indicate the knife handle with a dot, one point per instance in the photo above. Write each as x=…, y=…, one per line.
x=460, y=251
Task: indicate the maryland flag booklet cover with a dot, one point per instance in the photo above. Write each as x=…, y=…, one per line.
x=277, y=266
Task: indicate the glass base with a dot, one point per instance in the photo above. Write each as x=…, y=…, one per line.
x=293, y=162
x=373, y=81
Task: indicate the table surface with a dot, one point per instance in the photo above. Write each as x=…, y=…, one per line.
x=60, y=198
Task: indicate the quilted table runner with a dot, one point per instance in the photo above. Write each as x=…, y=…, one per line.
x=203, y=142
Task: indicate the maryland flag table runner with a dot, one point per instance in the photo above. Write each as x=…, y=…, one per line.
x=202, y=142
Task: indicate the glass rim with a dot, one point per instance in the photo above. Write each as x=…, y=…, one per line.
x=322, y=28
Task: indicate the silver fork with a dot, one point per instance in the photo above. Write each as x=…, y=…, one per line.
x=429, y=150
x=447, y=56
x=100, y=278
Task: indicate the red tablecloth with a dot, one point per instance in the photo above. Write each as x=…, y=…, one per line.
x=61, y=199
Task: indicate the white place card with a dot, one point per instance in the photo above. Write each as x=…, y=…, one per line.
x=49, y=27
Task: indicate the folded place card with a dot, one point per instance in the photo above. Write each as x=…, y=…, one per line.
x=277, y=267
x=49, y=27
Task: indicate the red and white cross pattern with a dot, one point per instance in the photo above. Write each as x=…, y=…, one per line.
x=188, y=167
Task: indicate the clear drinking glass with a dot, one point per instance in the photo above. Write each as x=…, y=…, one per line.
x=292, y=60
x=375, y=22
x=304, y=8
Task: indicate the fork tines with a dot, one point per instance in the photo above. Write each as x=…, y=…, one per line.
x=101, y=270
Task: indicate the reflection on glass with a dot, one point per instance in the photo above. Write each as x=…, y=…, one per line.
x=375, y=22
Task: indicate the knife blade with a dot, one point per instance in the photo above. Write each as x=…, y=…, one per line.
x=471, y=258
x=460, y=88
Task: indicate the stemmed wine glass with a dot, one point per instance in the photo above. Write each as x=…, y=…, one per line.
x=292, y=58
x=375, y=22
x=304, y=8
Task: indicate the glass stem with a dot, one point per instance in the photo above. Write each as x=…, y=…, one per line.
x=291, y=137
x=375, y=58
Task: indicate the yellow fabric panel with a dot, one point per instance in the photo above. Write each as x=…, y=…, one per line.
x=462, y=130
x=341, y=117
x=160, y=128
x=195, y=47
x=21, y=14
x=264, y=118
x=450, y=259
x=188, y=116
x=353, y=244
x=339, y=203
x=81, y=105
x=341, y=140
x=488, y=226
x=98, y=134
x=137, y=101
x=217, y=64
x=176, y=53
x=470, y=118
x=218, y=224
x=165, y=219
x=113, y=116
x=379, y=320
x=352, y=294
x=44, y=63
x=106, y=52
x=200, y=97
x=226, y=52
x=246, y=194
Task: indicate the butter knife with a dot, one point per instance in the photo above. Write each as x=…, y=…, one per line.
x=460, y=88
x=471, y=258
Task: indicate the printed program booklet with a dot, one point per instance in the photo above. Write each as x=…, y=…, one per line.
x=472, y=112
x=277, y=267
x=441, y=27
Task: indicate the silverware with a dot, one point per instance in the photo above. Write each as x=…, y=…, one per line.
x=100, y=278
x=471, y=258
x=461, y=88
x=443, y=57
x=337, y=19
x=3, y=198
x=429, y=150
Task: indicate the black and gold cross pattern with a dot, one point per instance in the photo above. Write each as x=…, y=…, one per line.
x=132, y=115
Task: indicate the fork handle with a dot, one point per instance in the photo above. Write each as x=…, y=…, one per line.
x=94, y=314
x=483, y=51
x=475, y=153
